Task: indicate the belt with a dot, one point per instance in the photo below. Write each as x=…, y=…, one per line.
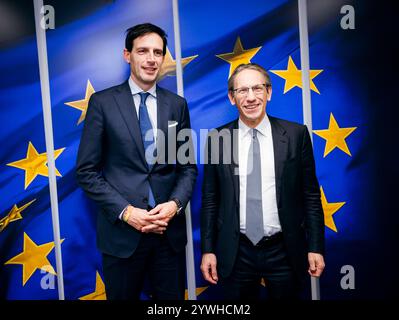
x=265, y=241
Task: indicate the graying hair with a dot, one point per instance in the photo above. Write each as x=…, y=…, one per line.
x=248, y=66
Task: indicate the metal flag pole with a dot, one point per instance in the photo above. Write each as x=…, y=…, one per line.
x=306, y=101
x=191, y=285
x=48, y=131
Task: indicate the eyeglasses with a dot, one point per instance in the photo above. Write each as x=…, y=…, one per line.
x=257, y=89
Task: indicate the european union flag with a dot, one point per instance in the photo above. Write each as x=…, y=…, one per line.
x=267, y=33
x=85, y=56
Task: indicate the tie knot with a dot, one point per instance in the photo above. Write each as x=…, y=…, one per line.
x=143, y=97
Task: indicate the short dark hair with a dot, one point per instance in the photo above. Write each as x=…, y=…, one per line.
x=246, y=66
x=141, y=30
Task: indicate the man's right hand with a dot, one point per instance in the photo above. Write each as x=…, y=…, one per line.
x=139, y=218
x=208, y=268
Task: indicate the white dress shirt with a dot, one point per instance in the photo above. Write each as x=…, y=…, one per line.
x=151, y=104
x=271, y=221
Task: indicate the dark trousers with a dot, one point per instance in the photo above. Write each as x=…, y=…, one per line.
x=268, y=261
x=153, y=257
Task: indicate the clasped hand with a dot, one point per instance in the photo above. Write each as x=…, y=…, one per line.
x=155, y=220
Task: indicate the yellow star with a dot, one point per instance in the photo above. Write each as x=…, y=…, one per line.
x=82, y=104
x=168, y=67
x=238, y=56
x=33, y=257
x=293, y=76
x=13, y=215
x=99, y=292
x=335, y=136
x=198, y=291
x=329, y=209
x=35, y=164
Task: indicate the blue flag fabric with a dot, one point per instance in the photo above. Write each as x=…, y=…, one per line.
x=339, y=114
x=86, y=56
x=83, y=56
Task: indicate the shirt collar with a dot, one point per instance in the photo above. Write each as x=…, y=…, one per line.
x=135, y=89
x=263, y=127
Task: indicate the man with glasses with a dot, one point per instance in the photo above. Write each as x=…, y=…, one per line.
x=261, y=215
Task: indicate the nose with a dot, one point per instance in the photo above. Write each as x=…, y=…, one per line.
x=151, y=56
x=251, y=95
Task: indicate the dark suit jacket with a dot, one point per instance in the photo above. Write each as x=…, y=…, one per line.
x=112, y=170
x=297, y=192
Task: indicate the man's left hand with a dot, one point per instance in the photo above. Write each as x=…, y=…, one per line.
x=316, y=264
x=163, y=212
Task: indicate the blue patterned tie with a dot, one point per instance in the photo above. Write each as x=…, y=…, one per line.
x=145, y=126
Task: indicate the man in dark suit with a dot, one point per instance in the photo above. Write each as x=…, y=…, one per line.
x=124, y=167
x=261, y=213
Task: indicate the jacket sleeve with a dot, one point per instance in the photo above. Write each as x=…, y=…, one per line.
x=314, y=217
x=210, y=202
x=90, y=161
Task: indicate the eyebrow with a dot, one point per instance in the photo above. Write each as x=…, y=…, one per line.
x=148, y=48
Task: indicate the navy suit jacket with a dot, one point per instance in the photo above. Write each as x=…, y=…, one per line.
x=297, y=192
x=112, y=170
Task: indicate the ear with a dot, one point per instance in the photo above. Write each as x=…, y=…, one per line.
x=231, y=98
x=126, y=55
x=269, y=94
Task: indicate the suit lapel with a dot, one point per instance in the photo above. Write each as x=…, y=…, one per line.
x=234, y=160
x=280, y=146
x=162, y=123
x=125, y=102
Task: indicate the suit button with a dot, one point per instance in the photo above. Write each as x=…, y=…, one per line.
x=145, y=200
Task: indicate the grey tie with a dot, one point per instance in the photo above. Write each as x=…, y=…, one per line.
x=254, y=214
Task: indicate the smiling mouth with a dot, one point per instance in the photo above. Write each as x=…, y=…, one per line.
x=251, y=107
x=150, y=69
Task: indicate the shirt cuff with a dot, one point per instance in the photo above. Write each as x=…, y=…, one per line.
x=121, y=214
